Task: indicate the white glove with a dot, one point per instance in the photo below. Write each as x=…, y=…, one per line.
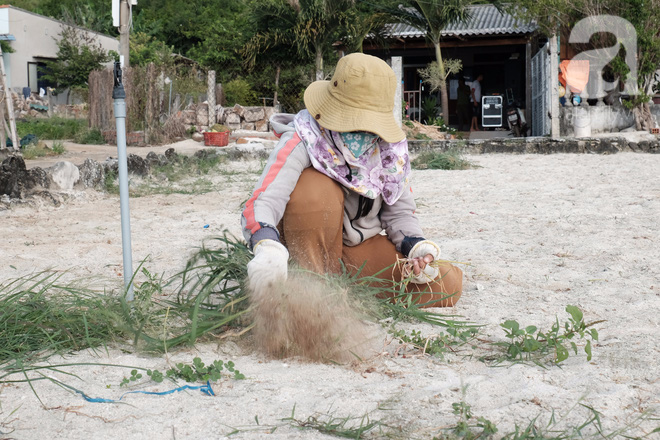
x=268, y=266
x=420, y=250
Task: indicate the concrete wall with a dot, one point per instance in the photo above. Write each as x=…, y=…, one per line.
x=35, y=40
x=603, y=119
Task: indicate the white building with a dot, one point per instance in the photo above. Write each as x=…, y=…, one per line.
x=33, y=38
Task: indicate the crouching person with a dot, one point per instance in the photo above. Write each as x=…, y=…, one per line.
x=338, y=177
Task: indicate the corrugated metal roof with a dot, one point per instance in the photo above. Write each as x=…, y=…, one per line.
x=485, y=20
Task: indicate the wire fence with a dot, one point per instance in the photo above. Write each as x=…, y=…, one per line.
x=165, y=101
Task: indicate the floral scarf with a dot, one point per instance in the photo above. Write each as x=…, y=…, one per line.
x=382, y=168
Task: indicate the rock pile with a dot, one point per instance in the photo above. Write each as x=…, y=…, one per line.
x=17, y=182
x=33, y=106
x=237, y=117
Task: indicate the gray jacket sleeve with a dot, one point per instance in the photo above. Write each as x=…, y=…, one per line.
x=265, y=208
x=400, y=223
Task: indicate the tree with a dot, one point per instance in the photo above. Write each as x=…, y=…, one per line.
x=271, y=47
x=309, y=26
x=78, y=54
x=367, y=19
x=433, y=16
x=95, y=15
x=146, y=49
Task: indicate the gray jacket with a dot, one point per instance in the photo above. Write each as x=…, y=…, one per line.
x=265, y=208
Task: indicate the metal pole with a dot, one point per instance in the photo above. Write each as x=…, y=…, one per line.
x=119, y=96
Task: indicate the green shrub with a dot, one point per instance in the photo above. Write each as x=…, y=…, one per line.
x=90, y=136
x=58, y=148
x=239, y=91
x=51, y=128
x=428, y=107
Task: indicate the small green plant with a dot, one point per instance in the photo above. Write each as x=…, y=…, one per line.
x=468, y=426
x=32, y=151
x=90, y=136
x=531, y=344
x=448, y=160
x=195, y=372
x=58, y=148
x=110, y=181
x=134, y=377
x=429, y=105
x=36, y=149
x=442, y=126
x=439, y=344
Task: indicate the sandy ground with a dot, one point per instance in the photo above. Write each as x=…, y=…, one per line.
x=538, y=232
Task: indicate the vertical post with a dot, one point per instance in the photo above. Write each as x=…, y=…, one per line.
x=397, y=66
x=49, y=94
x=169, y=101
x=210, y=97
x=528, y=79
x=4, y=130
x=554, y=93
x=10, y=104
x=124, y=30
x=119, y=96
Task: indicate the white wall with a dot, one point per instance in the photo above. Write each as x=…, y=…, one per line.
x=34, y=41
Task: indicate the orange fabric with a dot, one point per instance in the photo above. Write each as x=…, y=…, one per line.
x=575, y=73
x=251, y=222
x=311, y=229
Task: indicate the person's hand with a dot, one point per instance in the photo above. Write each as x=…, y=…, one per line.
x=269, y=265
x=419, y=262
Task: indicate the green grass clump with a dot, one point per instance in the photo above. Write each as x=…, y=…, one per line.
x=176, y=177
x=186, y=166
x=90, y=136
x=39, y=316
x=51, y=128
x=36, y=150
x=448, y=160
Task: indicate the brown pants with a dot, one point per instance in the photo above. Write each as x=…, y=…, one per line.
x=312, y=231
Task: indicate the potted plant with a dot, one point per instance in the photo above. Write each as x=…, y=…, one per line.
x=217, y=136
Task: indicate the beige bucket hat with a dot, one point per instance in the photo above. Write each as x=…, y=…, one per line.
x=359, y=97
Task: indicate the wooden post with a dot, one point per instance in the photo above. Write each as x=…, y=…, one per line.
x=397, y=67
x=528, y=82
x=210, y=99
x=49, y=94
x=10, y=104
x=124, y=29
x=554, y=92
x=4, y=130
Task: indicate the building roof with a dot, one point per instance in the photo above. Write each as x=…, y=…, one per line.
x=485, y=20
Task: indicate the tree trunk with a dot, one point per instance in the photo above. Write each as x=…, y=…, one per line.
x=319, y=63
x=277, y=85
x=644, y=120
x=444, y=97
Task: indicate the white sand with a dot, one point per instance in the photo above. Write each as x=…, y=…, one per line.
x=539, y=232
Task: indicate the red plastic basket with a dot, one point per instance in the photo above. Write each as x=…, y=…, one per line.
x=216, y=138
